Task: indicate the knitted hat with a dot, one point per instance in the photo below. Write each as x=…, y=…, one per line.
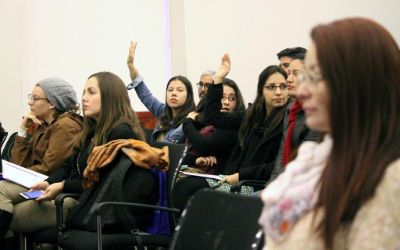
x=60, y=93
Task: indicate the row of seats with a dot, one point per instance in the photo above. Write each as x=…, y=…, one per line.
x=211, y=220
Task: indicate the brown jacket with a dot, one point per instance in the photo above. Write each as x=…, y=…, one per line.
x=49, y=146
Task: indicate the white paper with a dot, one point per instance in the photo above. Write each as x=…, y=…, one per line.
x=21, y=175
x=211, y=176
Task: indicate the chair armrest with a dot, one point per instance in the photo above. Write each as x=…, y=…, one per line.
x=254, y=183
x=59, y=202
x=100, y=205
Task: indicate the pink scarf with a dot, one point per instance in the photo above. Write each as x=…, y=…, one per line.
x=295, y=191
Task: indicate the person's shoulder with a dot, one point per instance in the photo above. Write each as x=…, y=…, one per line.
x=122, y=127
x=122, y=131
x=68, y=120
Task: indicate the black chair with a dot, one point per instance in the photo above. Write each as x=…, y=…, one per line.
x=259, y=241
x=217, y=220
x=176, y=154
x=6, y=152
x=48, y=235
x=3, y=136
x=212, y=220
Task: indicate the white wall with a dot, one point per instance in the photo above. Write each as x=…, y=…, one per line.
x=72, y=39
x=10, y=63
x=254, y=31
x=75, y=38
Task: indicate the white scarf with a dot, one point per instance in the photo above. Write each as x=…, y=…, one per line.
x=295, y=191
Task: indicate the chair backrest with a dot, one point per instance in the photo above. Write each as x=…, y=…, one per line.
x=217, y=220
x=3, y=137
x=176, y=154
x=6, y=152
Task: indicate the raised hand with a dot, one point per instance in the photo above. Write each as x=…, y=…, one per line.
x=223, y=70
x=30, y=120
x=130, y=61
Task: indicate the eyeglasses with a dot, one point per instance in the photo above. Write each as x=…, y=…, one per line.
x=202, y=85
x=273, y=87
x=231, y=98
x=33, y=99
x=308, y=78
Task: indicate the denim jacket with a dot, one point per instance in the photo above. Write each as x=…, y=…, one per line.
x=172, y=135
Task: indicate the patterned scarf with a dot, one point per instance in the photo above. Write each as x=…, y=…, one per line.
x=295, y=191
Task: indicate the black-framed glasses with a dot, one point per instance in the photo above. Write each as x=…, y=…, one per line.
x=273, y=87
x=33, y=99
x=231, y=98
x=202, y=85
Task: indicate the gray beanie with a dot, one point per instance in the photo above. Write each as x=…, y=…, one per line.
x=60, y=93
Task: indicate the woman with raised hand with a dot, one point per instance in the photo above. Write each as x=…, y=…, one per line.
x=107, y=116
x=178, y=102
x=210, y=146
x=343, y=193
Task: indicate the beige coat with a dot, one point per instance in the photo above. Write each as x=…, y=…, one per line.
x=49, y=146
x=376, y=225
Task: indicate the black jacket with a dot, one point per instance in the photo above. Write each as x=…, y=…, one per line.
x=254, y=159
x=72, y=170
x=218, y=143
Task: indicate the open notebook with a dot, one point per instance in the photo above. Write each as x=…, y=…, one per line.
x=21, y=175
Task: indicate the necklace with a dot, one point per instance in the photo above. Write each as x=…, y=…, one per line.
x=90, y=147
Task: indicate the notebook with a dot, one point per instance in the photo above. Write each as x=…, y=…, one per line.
x=211, y=176
x=20, y=175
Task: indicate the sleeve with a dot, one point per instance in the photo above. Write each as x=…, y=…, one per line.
x=277, y=166
x=190, y=159
x=21, y=151
x=221, y=138
x=212, y=113
x=59, y=147
x=146, y=97
x=261, y=172
x=377, y=223
x=63, y=172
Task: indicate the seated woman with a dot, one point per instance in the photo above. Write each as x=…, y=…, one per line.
x=47, y=133
x=45, y=139
x=107, y=116
x=343, y=193
x=178, y=98
x=259, y=134
x=211, y=146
